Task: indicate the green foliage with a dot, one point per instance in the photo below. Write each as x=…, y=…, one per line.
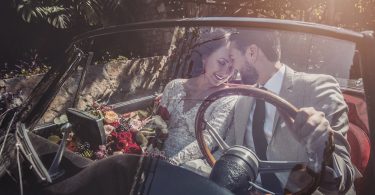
x=30, y=63
x=352, y=14
x=63, y=14
x=355, y=14
x=49, y=11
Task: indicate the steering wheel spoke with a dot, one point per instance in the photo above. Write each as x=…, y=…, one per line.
x=215, y=135
x=278, y=166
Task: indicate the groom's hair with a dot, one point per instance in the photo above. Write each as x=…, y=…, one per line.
x=267, y=40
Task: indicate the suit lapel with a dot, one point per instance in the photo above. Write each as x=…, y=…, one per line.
x=242, y=113
x=285, y=92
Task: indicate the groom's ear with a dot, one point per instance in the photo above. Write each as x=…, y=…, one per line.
x=251, y=53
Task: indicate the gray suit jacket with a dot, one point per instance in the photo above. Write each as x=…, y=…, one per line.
x=303, y=90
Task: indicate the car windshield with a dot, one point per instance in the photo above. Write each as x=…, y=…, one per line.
x=145, y=88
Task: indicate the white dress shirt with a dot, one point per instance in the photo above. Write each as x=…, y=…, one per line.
x=273, y=85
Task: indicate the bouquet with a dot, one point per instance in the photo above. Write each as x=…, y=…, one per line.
x=130, y=133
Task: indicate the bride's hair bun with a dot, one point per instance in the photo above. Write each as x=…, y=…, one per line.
x=211, y=39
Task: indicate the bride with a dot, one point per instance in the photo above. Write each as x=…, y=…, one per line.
x=182, y=98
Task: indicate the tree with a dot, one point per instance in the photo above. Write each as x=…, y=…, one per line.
x=65, y=14
x=352, y=14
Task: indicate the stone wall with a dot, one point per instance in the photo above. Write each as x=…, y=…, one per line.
x=118, y=80
x=110, y=83
x=114, y=81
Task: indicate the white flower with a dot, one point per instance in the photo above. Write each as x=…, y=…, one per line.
x=108, y=129
x=135, y=124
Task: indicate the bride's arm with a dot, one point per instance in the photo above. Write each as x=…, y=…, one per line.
x=166, y=104
x=219, y=115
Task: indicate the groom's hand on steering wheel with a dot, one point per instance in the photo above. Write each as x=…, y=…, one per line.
x=312, y=129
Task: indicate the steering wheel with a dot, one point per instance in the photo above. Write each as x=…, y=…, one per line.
x=287, y=111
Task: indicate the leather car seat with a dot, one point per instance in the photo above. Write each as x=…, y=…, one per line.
x=358, y=135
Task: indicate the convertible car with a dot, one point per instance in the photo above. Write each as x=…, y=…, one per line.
x=94, y=125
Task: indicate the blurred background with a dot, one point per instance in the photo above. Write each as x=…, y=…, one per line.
x=35, y=33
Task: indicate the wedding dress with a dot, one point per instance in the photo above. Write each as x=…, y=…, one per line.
x=181, y=146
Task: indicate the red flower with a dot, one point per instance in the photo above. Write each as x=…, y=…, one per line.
x=133, y=148
x=122, y=145
x=115, y=124
x=163, y=112
x=114, y=135
x=125, y=135
x=72, y=146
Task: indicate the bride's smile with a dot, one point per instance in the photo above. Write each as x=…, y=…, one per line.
x=217, y=66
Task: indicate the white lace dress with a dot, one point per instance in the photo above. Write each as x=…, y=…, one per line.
x=181, y=146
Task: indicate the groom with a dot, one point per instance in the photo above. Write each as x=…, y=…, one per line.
x=256, y=54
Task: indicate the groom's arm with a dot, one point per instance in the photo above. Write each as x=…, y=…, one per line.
x=329, y=115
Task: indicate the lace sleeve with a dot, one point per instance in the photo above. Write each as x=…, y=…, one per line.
x=219, y=115
x=167, y=101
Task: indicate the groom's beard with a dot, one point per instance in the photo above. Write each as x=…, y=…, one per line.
x=249, y=74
